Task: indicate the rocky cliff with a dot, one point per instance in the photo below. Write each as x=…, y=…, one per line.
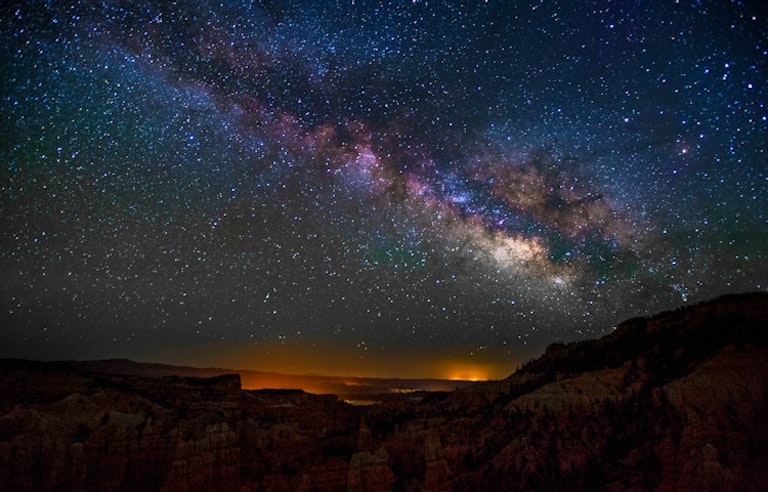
x=672, y=402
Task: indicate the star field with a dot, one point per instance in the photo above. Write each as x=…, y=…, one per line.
x=378, y=181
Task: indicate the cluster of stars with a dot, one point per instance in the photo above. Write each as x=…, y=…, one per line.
x=371, y=175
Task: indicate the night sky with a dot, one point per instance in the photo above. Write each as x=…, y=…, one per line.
x=373, y=188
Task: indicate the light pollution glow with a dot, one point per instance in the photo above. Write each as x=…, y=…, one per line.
x=331, y=360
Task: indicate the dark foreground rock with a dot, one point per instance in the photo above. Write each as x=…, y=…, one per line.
x=673, y=402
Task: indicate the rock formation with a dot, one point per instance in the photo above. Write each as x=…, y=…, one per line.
x=672, y=402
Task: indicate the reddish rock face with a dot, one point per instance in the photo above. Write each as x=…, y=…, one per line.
x=673, y=402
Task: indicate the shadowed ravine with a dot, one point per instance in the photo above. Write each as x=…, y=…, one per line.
x=672, y=402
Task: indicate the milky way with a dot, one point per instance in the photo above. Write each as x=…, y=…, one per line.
x=476, y=179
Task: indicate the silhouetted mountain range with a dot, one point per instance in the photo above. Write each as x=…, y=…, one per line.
x=358, y=389
x=676, y=401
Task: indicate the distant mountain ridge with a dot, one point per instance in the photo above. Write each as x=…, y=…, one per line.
x=348, y=388
x=675, y=401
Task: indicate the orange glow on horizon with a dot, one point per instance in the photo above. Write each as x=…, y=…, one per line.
x=470, y=372
x=340, y=360
x=467, y=377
